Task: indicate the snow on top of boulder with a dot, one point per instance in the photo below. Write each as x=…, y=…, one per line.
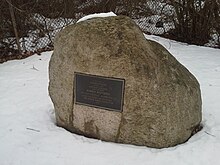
x=109, y=14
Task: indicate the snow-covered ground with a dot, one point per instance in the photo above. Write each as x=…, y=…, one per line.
x=29, y=135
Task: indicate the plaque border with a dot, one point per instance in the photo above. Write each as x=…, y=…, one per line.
x=103, y=77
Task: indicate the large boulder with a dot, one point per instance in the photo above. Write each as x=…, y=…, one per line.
x=162, y=99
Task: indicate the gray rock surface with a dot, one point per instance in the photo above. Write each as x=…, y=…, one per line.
x=162, y=99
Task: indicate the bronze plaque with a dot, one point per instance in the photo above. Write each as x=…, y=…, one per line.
x=98, y=91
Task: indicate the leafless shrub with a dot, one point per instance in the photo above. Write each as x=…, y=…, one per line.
x=194, y=20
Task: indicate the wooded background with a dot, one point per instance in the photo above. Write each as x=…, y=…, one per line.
x=29, y=26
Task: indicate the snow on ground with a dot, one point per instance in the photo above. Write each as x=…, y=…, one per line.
x=29, y=135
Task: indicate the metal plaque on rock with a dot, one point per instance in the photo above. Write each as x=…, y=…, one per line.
x=98, y=91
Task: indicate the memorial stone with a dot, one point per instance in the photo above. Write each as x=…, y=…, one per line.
x=108, y=82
